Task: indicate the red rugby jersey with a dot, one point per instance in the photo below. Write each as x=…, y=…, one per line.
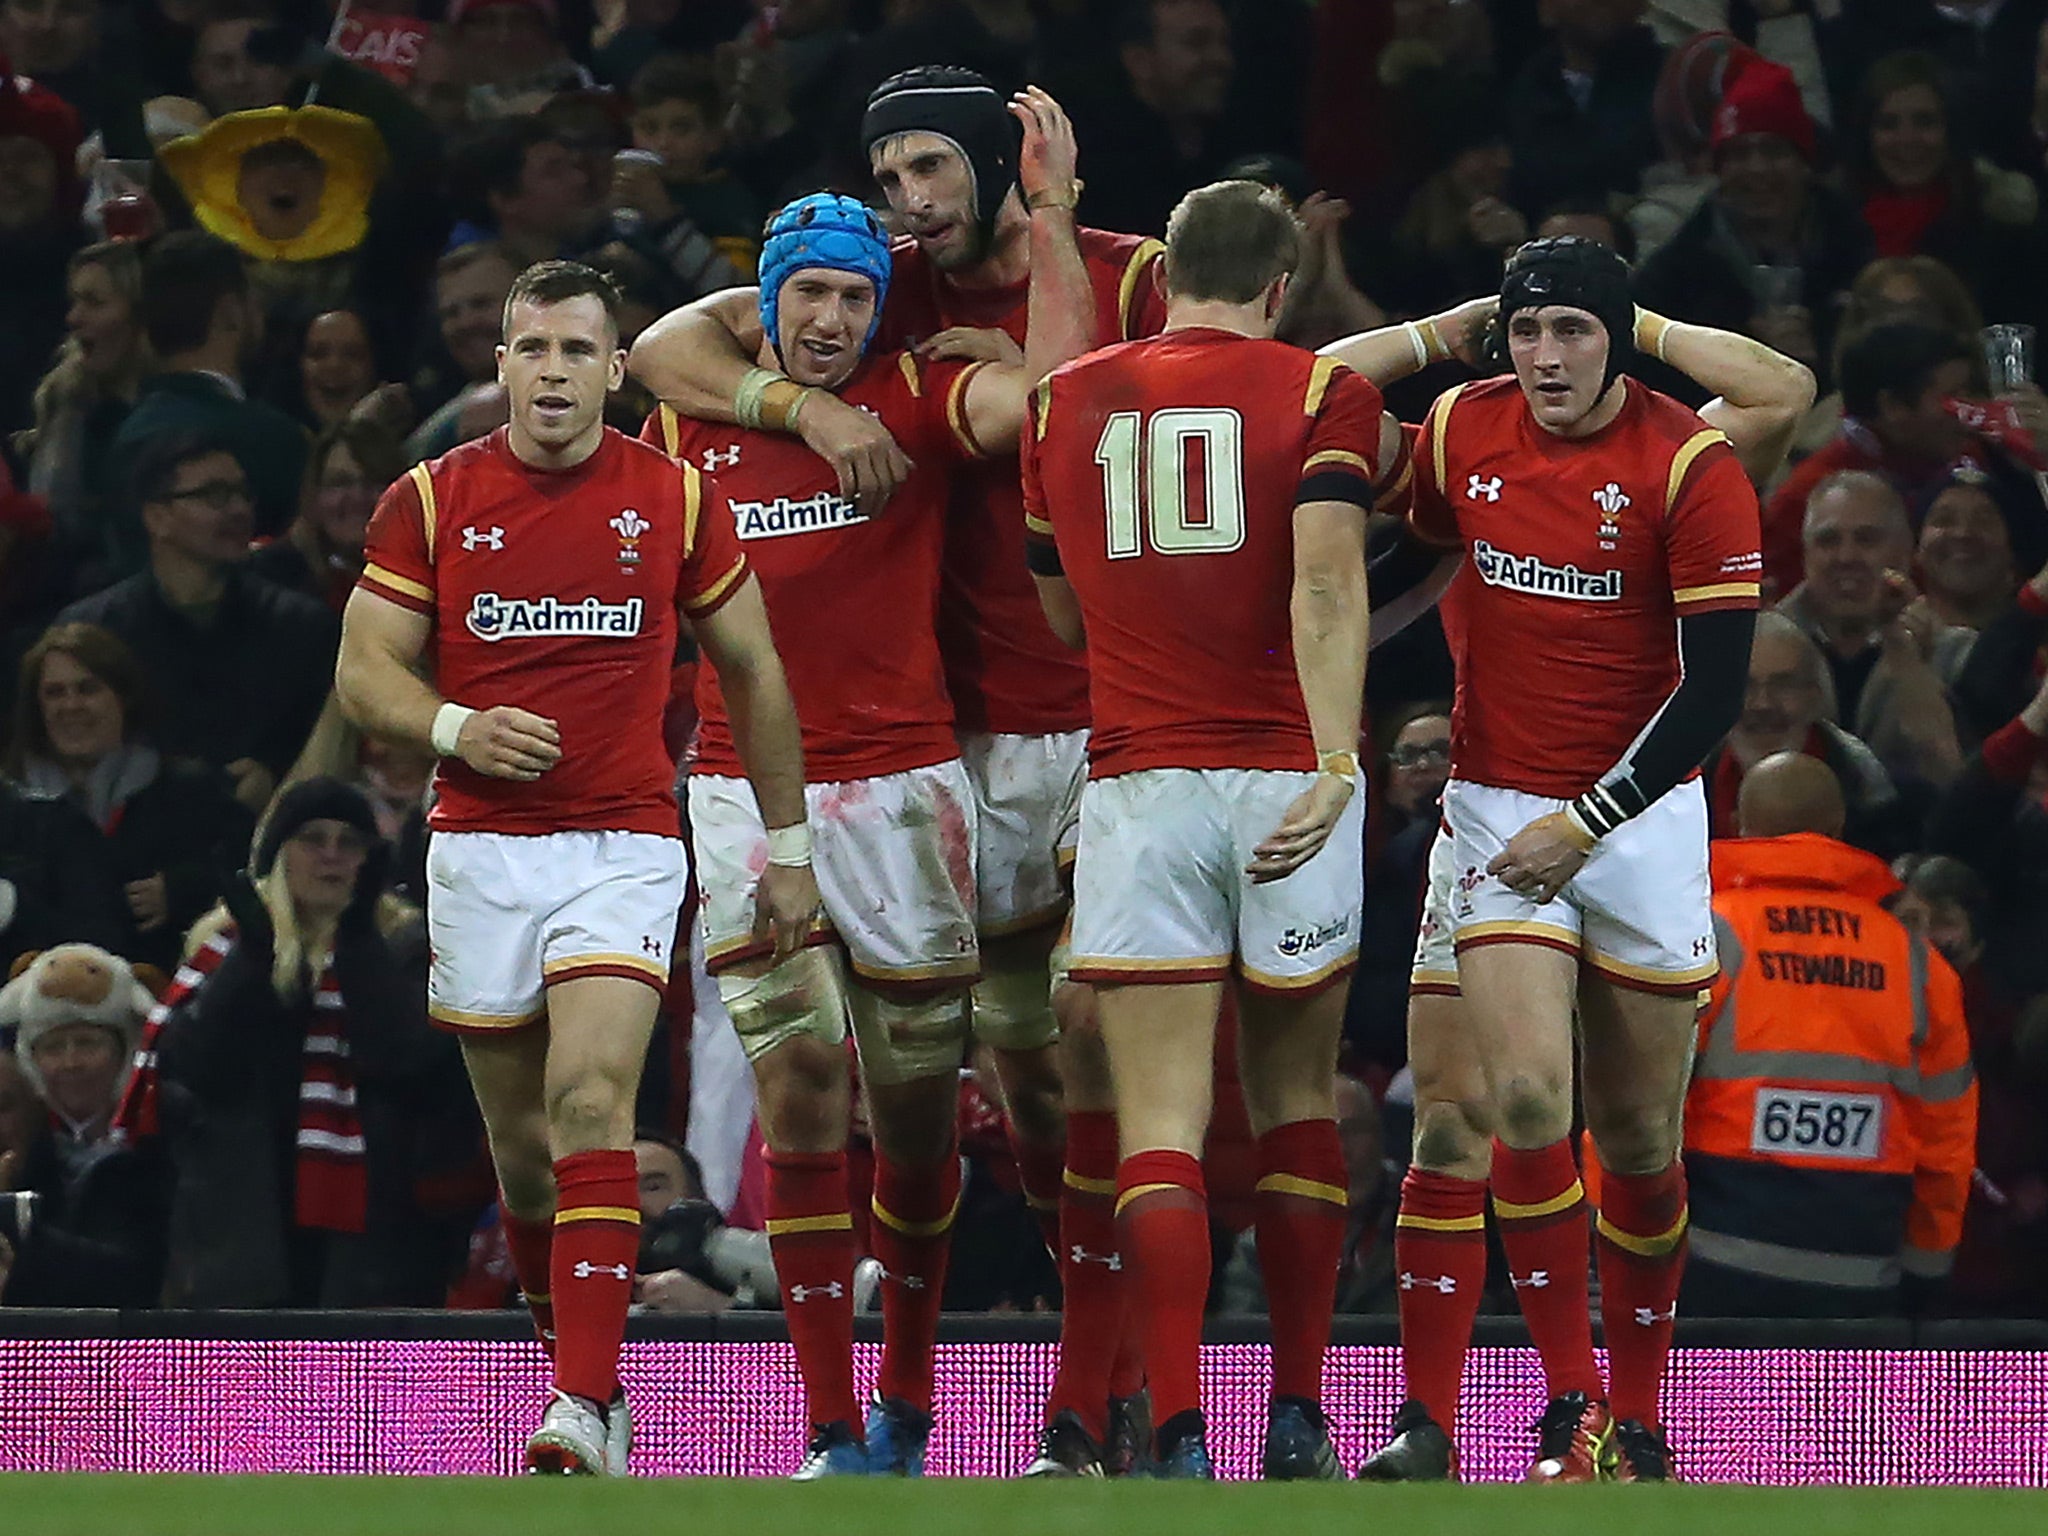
x=1166, y=473
x=1006, y=671
x=852, y=599
x=1581, y=555
x=557, y=591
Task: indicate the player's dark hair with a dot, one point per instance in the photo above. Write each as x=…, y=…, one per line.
x=1896, y=358
x=556, y=282
x=184, y=278
x=1228, y=241
x=682, y=77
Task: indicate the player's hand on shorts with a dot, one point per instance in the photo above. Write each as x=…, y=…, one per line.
x=786, y=903
x=858, y=447
x=1540, y=860
x=1300, y=837
x=507, y=743
x=967, y=344
x=1049, y=155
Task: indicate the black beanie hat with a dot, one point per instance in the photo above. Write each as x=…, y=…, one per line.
x=322, y=799
x=963, y=108
x=1569, y=269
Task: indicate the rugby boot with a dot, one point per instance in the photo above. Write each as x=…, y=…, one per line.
x=1574, y=1442
x=1419, y=1452
x=833, y=1452
x=1066, y=1449
x=1130, y=1435
x=897, y=1435
x=1640, y=1454
x=571, y=1440
x=1184, y=1450
x=618, y=1436
x=1298, y=1445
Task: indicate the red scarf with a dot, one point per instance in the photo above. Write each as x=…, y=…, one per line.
x=332, y=1186
x=1899, y=221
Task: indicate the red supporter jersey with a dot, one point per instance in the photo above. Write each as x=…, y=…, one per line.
x=1006, y=670
x=852, y=599
x=1166, y=473
x=1581, y=555
x=556, y=591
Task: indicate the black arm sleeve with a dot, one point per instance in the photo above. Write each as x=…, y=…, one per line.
x=1713, y=659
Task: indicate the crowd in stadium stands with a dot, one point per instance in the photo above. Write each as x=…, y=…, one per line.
x=252, y=260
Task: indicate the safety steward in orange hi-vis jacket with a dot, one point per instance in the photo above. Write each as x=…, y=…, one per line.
x=1831, y=1127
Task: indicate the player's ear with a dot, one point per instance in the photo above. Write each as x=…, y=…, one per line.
x=500, y=350
x=615, y=371
x=1276, y=295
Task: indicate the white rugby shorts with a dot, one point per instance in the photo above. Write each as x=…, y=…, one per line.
x=510, y=915
x=1640, y=911
x=894, y=857
x=1027, y=796
x=1160, y=892
x=1435, y=971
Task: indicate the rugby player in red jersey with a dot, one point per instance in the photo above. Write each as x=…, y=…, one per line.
x=541, y=573
x=1440, y=1251
x=1603, y=631
x=1197, y=502
x=852, y=600
x=945, y=154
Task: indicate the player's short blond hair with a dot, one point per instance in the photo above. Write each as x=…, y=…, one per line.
x=1229, y=240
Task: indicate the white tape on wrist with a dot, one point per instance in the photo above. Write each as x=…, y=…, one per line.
x=790, y=847
x=447, y=729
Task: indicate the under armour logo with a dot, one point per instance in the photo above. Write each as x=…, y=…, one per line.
x=649, y=945
x=1476, y=488
x=480, y=538
x=1080, y=1255
x=803, y=1293
x=1446, y=1284
x=721, y=458
x=1535, y=1282
x=1610, y=498
x=1647, y=1317
x=586, y=1270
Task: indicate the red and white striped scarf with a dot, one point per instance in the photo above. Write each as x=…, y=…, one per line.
x=332, y=1188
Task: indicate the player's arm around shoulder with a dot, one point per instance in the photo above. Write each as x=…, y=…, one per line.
x=696, y=357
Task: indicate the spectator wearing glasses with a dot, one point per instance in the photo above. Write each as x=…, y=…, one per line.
x=239, y=667
x=299, y=1083
x=205, y=326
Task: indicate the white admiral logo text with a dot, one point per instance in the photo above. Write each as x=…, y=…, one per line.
x=494, y=618
x=1527, y=573
x=781, y=517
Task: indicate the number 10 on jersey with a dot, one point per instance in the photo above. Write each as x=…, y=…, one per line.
x=1154, y=507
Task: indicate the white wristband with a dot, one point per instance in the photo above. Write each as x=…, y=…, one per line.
x=790, y=847
x=1415, y=340
x=448, y=721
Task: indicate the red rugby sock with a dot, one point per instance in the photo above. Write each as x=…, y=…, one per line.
x=1300, y=1207
x=1163, y=1225
x=1440, y=1257
x=810, y=1234
x=1541, y=1209
x=1641, y=1248
x=530, y=1244
x=912, y=1233
x=1040, y=1168
x=597, y=1241
x=1091, y=1273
